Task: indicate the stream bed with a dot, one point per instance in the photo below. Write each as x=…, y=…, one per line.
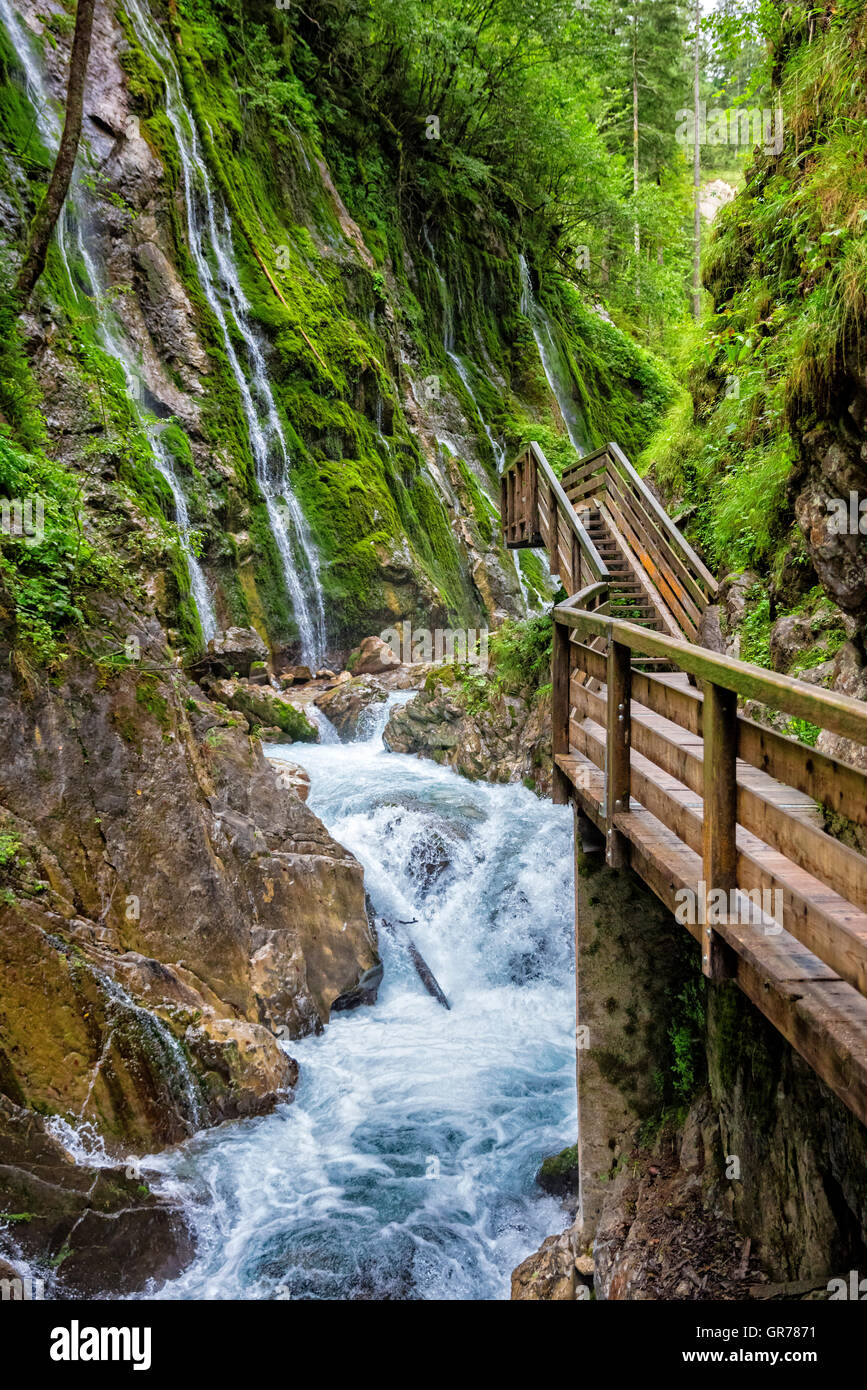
x=404, y=1166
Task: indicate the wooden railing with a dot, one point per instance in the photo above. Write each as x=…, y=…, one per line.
x=536, y=512
x=822, y=881
x=666, y=555
x=709, y=807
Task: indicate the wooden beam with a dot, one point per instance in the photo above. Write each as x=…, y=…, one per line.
x=560, y=699
x=719, y=843
x=840, y=714
x=619, y=695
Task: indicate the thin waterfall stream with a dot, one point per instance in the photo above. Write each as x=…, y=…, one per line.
x=112, y=338
x=404, y=1166
x=550, y=357
x=209, y=235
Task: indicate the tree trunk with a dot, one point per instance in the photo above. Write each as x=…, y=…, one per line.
x=636, y=233
x=49, y=209
x=696, y=168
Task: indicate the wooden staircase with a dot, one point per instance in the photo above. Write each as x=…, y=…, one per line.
x=707, y=806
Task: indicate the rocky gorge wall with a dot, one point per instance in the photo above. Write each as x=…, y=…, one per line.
x=399, y=383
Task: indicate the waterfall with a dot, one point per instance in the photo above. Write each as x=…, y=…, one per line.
x=210, y=241
x=404, y=1166
x=112, y=338
x=548, y=352
x=497, y=449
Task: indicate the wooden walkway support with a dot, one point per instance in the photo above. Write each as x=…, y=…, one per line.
x=721, y=816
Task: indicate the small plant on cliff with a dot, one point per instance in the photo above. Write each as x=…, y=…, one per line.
x=521, y=654
x=686, y=1036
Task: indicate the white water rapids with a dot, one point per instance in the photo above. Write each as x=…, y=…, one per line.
x=404, y=1166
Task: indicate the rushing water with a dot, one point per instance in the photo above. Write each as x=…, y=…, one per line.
x=404, y=1166
x=112, y=338
x=209, y=235
x=555, y=371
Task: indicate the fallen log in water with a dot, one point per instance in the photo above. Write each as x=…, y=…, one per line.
x=424, y=971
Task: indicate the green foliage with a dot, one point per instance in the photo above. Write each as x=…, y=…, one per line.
x=10, y=846
x=686, y=1036
x=787, y=269
x=47, y=576
x=520, y=652
x=756, y=628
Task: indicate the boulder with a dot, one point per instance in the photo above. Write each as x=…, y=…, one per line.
x=710, y=631
x=559, y=1175
x=100, y=1228
x=733, y=595
x=372, y=658
x=235, y=651
x=789, y=636
x=291, y=777
x=299, y=674
x=364, y=992
x=345, y=703
x=549, y=1275
x=264, y=707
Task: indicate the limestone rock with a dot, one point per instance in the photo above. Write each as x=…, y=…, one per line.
x=101, y=1228
x=372, y=658
x=503, y=740
x=789, y=636
x=346, y=702
x=292, y=777
x=263, y=706
x=164, y=882
x=549, y=1275
x=234, y=651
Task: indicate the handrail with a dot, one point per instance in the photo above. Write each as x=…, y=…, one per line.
x=839, y=714
x=661, y=515
x=591, y=554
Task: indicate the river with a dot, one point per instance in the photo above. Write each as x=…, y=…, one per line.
x=403, y=1168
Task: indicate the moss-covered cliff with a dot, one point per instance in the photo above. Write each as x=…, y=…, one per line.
x=389, y=321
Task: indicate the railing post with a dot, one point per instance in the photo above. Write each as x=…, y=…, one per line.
x=532, y=497
x=575, y=564
x=617, y=748
x=719, y=831
x=561, y=699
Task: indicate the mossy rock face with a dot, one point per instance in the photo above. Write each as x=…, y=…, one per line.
x=265, y=709
x=559, y=1174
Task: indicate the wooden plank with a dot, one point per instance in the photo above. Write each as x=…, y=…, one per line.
x=650, y=502
x=719, y=843
x=639, y=573
x=558, y=501
x=560, y=698
x=619, y=700
x=814, y=914
x=532, y=492
x=773, y=812
x=590, y=661
x=824, y=1019
x=843, y=789
x=688, y=588
x=681, y=706
x=672, y=593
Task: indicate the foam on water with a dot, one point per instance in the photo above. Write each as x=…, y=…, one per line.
x=404, y=1167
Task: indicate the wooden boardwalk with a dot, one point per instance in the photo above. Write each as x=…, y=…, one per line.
x=721, y=816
